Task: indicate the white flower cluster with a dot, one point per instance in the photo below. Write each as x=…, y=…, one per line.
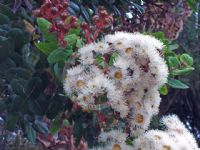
x=130, y=85
x=175, y=137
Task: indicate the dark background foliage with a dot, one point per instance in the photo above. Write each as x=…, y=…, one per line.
x=29, y=90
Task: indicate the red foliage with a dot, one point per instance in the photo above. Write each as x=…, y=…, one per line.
x=55, y=12
x=100, y=21
x=64, y=141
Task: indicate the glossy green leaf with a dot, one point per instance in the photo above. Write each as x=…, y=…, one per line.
x=4, y=19
x=30, y=132
x=100, y=61
x=41, y=126
x=163, y=90
x=66, y=122
x=5, y=48
x=186, y=59
x=173, y=47
x=193, y=4
x=34, y=87
x=176, y=84
x=44, y=26
x=112, y=58
x=17, y=102
x=182, y=71
x=59, y=55
x=17, y=73
x=71, y=39
x=18, y=86
x=79, y=43
x=14, y=35
x=173, y=61
x=55, y=125
x=11, y=121
x=6, y=11
x=46, y=47
x=2, y=105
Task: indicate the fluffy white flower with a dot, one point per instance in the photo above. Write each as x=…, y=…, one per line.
x=176, y=137
x=75, y=71
x=112, y=136
x=155, y=140
x=122, y=63
x=102, y=47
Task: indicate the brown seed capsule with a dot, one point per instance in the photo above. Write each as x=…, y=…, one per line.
x=165, y=147
x=129, y=50
x=80, y=83
x=116, y=147
x=139, y=118
x=118, y=75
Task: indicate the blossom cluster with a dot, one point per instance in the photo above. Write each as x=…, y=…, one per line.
x=130, y=85
x=175, y=137
x=127, y=71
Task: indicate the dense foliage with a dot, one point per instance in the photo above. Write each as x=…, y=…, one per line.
x=35, y=52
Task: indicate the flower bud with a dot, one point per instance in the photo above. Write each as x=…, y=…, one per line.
x=65, y=4
x=63, y=16
x=54, y=10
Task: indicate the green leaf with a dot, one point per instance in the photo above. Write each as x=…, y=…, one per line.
x=173, y=47
x=6, y=11
x=56, y=125
x=163, y=90
x=186, y=59
x=46, y=47
x=18, y=86
x=30, y=132
x=66, y=122
x=76, y=31
x=59, y=55
x=71, y=39
x=129, y=142
x=182, y=71
x=14, y=35
x=57, y=72
x=193, y=4
x=3, y=105
x=17, y=102
x=11, y=121
x=34, y=87
x=4, y=19
x=41, y=126
x=173, y=61
x=17, y=73
x=112, y=58
x=79, y=43
x=5, y=48
x=176, y=84
x=44, y=26
x=159, y=35
x=100, y=61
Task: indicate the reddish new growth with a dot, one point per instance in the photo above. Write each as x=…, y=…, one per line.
x=55, y=12
x=63, y=141
x=100, y=21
